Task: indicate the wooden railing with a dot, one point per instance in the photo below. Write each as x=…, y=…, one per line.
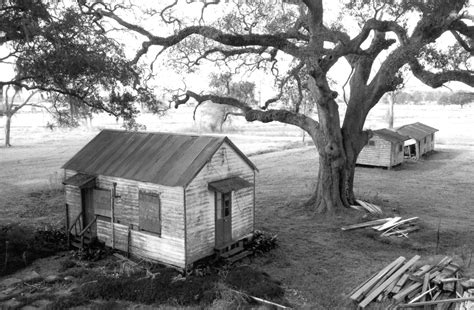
x=77, y=230
x=87, y=229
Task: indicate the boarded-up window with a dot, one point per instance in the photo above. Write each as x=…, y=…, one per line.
x=150, y=212
x=400, y=147
x=101, y=200
x=371, y=143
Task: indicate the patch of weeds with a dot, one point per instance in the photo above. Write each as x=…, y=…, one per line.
x=227, y=298
x=69, y=301
x=20, y=246
x=66, y=264
x=254, y=282
x=262, y=242
x=165, y=287
x=92, y=253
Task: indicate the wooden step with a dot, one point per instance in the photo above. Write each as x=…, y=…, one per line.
x=237, y=257
x=232, y=252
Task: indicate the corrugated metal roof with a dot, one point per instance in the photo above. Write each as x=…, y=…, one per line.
x=390, y=135
x=80, y=180
x=416, y=130
x=230, y=184
x=161, y=158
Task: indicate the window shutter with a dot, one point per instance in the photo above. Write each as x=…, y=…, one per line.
x=150, y=212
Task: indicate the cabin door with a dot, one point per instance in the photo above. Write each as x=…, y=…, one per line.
x=88, y=208
x=223, y=203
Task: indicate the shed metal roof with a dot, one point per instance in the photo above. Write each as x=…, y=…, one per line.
x=416, y=130
x=161, y=158
x=390, y=135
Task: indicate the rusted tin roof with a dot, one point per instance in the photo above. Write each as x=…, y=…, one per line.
x=390, y=135
x=416, y=130
x=161, y=158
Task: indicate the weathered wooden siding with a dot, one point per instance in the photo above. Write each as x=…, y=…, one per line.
x=397, y=153
x=73, y=199
x=200, y=209
x=126, y=205
x=376, y=155
x=428, y=146
x=166, y=249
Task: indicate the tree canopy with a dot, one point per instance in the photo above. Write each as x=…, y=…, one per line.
x=59, y=49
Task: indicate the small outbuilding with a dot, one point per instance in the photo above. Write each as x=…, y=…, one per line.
x=421, y=142
x=166, y=197
x=384, y=149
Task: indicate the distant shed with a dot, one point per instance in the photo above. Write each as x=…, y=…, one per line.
x=384, y=149
x=165, y=197
x=422, y=139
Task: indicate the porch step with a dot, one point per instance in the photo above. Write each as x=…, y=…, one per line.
x=232, y=252
x=76, y=241
x=238, y=257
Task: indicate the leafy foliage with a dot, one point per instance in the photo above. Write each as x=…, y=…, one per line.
x=64, y=51
x=262, y=242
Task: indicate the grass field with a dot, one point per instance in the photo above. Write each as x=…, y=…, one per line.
x=316, y=261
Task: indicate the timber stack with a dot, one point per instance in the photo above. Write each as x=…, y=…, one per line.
x=403, y=286
x=390, y=226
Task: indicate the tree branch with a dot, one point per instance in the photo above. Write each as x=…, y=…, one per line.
x=251, y=115
x=438, y=79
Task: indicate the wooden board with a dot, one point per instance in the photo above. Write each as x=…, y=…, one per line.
x=397, y=274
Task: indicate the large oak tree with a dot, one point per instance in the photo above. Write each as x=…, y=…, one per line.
x=393, y=35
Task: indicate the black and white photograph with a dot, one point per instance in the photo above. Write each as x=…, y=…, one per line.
x=237, y=154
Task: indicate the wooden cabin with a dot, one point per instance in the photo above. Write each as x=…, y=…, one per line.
x=166, y=197
x=421, y=142
x=384, y=149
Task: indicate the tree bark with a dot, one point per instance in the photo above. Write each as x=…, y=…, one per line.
x=8, y=121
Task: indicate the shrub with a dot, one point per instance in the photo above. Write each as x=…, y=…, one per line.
x=262, y=242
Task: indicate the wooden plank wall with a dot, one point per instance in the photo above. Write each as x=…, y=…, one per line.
x=397, y=155
x=428, y=146
x=376, y=155
x=126, y=206
x=200, y=209
x=166, y=249
x=73, y=199
x=126, y=213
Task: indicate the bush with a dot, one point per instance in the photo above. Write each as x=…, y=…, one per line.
x=262, y=242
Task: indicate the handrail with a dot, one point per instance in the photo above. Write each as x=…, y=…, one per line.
x=88, y=226
x=75, y=221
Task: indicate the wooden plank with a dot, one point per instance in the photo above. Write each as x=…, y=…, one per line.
x=398, y=297
x=385, y=277
x=400, y=223
x=388, y=224
x=374, y=280
x=426, y=283
x=435, y=302
x=397, y=274
x=400, y=283
x=366, y=224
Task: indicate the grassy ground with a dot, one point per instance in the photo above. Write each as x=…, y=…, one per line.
x=316, y=262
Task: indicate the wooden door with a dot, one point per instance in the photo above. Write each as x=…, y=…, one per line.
x=88, y=209
x=223, y=202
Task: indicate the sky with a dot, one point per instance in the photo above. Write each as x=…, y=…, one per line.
x=170, y=79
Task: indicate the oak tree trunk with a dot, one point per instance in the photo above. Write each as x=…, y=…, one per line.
x=8, y=121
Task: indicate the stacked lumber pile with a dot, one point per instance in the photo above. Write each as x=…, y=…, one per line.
x=390, y=226
x=405, y=286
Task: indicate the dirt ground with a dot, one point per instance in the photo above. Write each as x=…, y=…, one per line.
x=316, y=262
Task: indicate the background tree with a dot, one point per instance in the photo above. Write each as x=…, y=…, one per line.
x=63, y=50
x=259, y=34
x=222, y=85
x=457, y=98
